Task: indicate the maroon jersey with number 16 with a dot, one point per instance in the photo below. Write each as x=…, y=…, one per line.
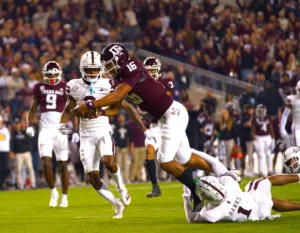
x=150, y=95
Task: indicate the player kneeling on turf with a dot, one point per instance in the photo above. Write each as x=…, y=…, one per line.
x=225, y=201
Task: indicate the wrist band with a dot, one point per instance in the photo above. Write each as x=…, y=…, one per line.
x=90, y=105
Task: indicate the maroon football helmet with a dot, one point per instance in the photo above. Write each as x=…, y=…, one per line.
x=51, y=73
x=153, y=66
x=113, y=57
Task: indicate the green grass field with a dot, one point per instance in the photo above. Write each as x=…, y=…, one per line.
x=28, y=211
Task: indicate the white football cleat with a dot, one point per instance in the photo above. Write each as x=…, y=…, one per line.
x=125, y=197
x=64, y=203
x=54, y=199
x=119, y=210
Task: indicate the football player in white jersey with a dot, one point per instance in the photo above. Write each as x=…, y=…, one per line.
x=225, y=201
x=95, y=131
x=292, y=105
x=50, y=96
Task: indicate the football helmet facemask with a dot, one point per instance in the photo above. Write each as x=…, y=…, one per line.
x=90, y=66
x=292, y=160
x=153, y=66
x=52, y=73
x=113, y=57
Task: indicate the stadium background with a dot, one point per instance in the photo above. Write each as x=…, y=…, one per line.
x=245, y=53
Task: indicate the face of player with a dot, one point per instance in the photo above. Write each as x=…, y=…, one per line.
x=153, y=72
x=52, y=78
x=293, y=164
x=110, y=69
x=92, y=72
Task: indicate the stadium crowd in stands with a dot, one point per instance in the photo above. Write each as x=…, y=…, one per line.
x=254, y=41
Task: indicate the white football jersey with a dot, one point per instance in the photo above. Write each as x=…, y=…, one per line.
x=238, y=206
x=81, y=91
x=294, y=102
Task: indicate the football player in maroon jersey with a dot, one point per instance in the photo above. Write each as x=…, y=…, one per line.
x=153, y=66
x=50, y=96
x=263, y=136
x=134, y=82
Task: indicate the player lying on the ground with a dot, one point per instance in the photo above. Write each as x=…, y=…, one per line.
x=225, y=201
x=291, y=159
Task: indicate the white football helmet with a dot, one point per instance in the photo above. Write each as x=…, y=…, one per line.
x=298, y=88
x=51, y=73
x=208, y=188
x=261, y=111
x=90, y=66
x=292, y=159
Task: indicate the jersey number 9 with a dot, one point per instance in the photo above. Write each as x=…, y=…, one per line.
x=51, y=101
x=135, y=98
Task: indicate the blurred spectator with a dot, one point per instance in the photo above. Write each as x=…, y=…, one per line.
x=285, y=87
x=122, y=137
x=21, y=150
x=246, y=138
x=226, y=128
x=248, y=98
x=210, y=103
x=182, y=78
x=4, y=151
x=137, y=150
x=247, y=62
x=271, y=98
x=277, y=74
x=14, y=83
x=185, y=100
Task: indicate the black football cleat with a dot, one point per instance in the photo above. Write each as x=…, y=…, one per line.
x=198, y=204
x=155, y=191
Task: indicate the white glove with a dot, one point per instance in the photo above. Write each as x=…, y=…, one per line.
x=148, y=134
x=30, y=131
x=75, y=138
x=186, y=191
x=150, y=139
x=283, y=133
x=63, y=129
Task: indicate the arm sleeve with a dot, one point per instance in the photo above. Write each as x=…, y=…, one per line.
x=191, y=217
x=36, y=90
x=284, y=118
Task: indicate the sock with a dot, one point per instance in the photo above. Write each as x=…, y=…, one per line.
x=64, y=196
x=187, y=179
x=260, y=164
x=238, y=163
x=53, y=190
x=269, y=163
x=299, y=177
x=217, y=167
x=117, y=177
x=104, y=192
x=151, y=169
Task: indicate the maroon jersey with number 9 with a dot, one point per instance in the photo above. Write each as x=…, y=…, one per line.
x=150, y=95
x=52, y=97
